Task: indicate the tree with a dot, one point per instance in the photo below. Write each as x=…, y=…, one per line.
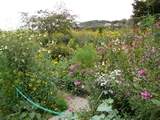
x=146, y=7
x=139, y=8
x=49, y=21
x=143, y=8
x=156, y=6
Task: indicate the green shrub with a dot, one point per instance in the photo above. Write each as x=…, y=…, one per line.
x=25, y=65
x=23, y=111
x=60, y=51
x=16, y=56
x=86, y=56
x=61, y=104
x=40, y=83
x=107, y=112
x=147, y=22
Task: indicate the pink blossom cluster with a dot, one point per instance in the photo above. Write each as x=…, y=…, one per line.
x=70, y=108
x=141, y=72
x=146, y=95
x=77, y=83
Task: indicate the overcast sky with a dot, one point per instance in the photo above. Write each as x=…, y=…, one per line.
x=84, y=9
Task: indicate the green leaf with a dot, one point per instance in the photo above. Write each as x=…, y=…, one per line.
x=110, y=101
x=98, y=117
x=23, y=115
x=106, y=106
x=32, y=115
x=156, y=102
x=38, y=115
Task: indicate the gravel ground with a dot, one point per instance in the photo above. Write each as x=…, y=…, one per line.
x=75, y=104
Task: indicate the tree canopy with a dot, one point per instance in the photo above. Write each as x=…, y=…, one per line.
x=49, y=21
x=146, y=7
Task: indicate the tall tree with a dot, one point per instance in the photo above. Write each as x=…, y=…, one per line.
x=139, y=8
x=145, y=7
x=49, y=21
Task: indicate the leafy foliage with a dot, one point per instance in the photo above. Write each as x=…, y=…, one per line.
x=49, y=21
x=86, y=56
x=106, y=107
x=30, y=70
x=145, y=7
x=127, y=71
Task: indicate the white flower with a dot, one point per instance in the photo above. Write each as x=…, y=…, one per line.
x=49, y=51
x=106, y=79
x=105, y=92
x=82, y=86
x=103, y=63
x=5, y=47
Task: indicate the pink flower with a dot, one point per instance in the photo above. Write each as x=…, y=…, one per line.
x=158, y=24
x=77, y=82
x=141, y=72
x=70, y=109
x=146, y=95
x=69, y=98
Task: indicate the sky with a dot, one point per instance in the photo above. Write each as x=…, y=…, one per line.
x=85, y=10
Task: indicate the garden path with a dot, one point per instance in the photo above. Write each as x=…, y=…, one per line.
x=75, y=104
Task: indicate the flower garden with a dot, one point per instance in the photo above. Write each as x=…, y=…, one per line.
x=115, y=72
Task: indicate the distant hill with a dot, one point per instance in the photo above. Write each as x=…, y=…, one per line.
x=100, y=23
x=94, y=23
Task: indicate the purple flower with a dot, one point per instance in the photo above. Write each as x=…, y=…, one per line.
x=141, y=72
x=146, y=95
x=77, y=82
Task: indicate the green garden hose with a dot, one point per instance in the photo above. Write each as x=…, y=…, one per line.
x=38, y=105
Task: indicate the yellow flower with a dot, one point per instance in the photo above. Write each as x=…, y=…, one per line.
x=55, y=62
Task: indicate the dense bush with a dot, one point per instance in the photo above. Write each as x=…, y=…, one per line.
x=60, y=51
x=86, y=56
x=16, y=59
x=26, y=66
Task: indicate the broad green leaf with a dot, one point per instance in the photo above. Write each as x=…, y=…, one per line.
x=104, y=108
x=32, y=115
x=23, y=115
x=98, y=117
x=38, y=115
x=110, y=101
x=156, y=102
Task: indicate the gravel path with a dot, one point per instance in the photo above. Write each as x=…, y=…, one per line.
x=75, y=104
